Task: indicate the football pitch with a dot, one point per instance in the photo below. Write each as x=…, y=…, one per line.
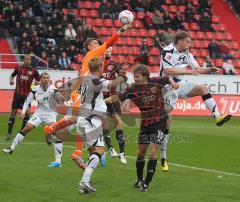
x=204, y=165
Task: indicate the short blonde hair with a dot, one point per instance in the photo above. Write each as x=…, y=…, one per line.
x=94, y=64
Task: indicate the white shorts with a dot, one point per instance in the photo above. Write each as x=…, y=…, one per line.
x=91, y=131
x=38, y=119
x=171, y=96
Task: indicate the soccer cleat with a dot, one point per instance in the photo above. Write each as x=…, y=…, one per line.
x=79, y=161
x=86, y=187
x=164, y=165
x=9, y=137
x=223, y=119
x=8, y=150
x=103, y=160
x=123, y=158
x=144, y=188
x=48, y=130
x=54, y=165
x=138, y=183
x=112, y=152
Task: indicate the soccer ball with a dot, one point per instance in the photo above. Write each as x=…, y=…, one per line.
x=126, y=17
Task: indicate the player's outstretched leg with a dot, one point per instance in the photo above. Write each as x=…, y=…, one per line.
x=107, y=139
x=121, y=141
x=19, y=138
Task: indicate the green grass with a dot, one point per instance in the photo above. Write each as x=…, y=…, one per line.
x=196, y=142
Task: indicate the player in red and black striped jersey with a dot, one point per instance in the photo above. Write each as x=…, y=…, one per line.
x=146, y=93
x=25, y=74
x=111, y=70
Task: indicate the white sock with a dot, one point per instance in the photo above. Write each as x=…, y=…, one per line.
x=91, y=166
x=163, y=147
x=58, y=148
x=17, y=140
x=212, y=107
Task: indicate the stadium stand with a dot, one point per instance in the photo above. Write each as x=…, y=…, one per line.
x=51, y=21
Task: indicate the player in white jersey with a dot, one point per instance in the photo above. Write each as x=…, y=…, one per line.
x=46, y=113
x=92, y=113
x=175, y=58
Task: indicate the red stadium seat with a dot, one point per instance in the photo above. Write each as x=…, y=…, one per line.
x=117, y=23
x=65, y=11
x=152, y=60
x=200, y=61
x=152, y=32
x=218, y=36
x=89, y=21
x=138, y=41
x=153, y=69
x=194, y=26
x=83, y=13
x=143, y=33
x=135, y=50
x=88, y=4
x=150, y=42
x=186, y=25
x=197, y=44
x=237, y=64
x=172, y=9
x=192, y=34
x=222, y=28
x=137, y=24
x=205, y=44
x=140, y=15
x=154, y=51
x=181, y=9
x=204, y=53
x=218, y=63
x=104, y=31
x=235, y=45
x=133, y=32
x=96, y=4
x=120, y=59
x=93, y=13
x=115, y=50
x=98, y=22
x=108, y=23
x=215, y=19
x=165, y=8
x=125, y=50
x=209, y=35
x=120, y=41
x=75, y=12
x=228, y=36
x=129, y=41
x=200, y=35
x=194, y=52
x=169, y=2
x=130, y=59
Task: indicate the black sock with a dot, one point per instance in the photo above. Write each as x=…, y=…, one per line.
x=151, y=167
x=25, y=120
x=107, y=138
x=121, y=140
x=11, y=122
x=140, y=166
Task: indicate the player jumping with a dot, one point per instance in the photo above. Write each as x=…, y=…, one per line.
x=175, y=58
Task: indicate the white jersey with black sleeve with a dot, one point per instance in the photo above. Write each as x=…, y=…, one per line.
x=44, y=98
x=172, y=58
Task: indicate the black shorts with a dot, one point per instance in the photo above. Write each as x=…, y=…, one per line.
x=18, y=101
x=153, y=134
x=114, y=108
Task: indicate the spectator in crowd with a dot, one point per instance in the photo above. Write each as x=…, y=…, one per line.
x=136, y=5
x=190, y=11
x=214, y=50
x=205, y=22
x=148, y=23
x=70, y=32
x=72, y=52
x=27, y=48
x=53, y=62
x=225, y=52
x=157, y=19
x=228, y=68
x=143, y=57
x=37, y=48
x=167, y=20
x=208, y=63
x=160, y=39
x=64, y=62
x=104, y=10
x=115, y=9
x=235, y=6
x=177, y=22
x=44, y=60
x=169, y=36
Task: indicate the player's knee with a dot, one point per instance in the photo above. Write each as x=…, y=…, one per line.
x=203, y=90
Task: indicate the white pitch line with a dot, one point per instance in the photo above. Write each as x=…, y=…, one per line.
x=173, y=164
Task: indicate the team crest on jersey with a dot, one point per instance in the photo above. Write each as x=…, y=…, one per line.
x=168, y=56
x=153, y=89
